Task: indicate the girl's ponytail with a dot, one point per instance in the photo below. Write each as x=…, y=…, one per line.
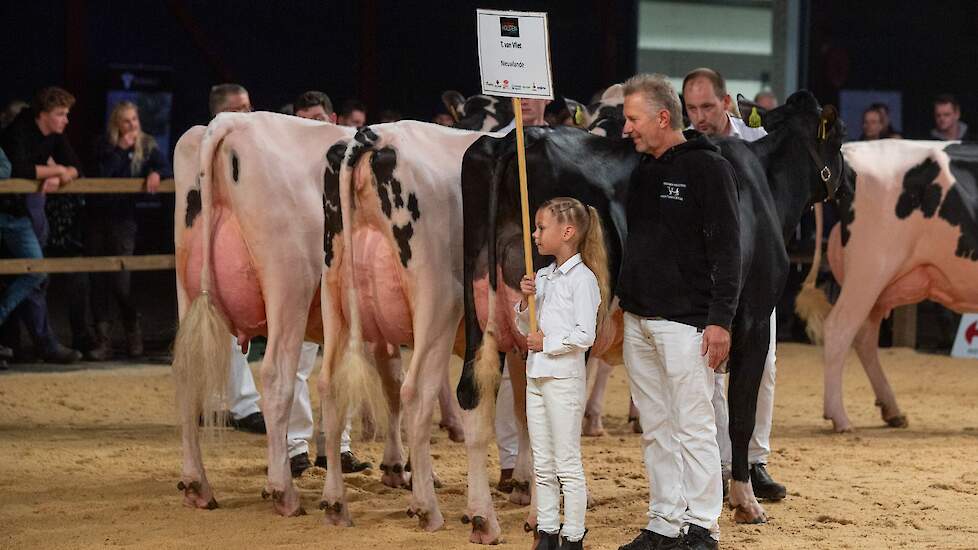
x=595, y=257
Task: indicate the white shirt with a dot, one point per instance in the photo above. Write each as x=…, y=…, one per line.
x=567, y=313
x=740, y=129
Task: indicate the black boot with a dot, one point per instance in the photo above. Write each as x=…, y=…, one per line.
x=698, y=538
x=650, y=540
x=765, y=487
x=546, y=541
x=575, y=545
x=299, y=463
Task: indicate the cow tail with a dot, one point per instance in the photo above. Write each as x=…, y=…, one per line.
x=487, y=368
x=812, y=305
x=354, y=383
x=201, y=351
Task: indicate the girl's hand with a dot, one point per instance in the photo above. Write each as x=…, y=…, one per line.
x=534, y=341
x=528, y=285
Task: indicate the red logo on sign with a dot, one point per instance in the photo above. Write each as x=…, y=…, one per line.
x=505, y=83
x=971, y=332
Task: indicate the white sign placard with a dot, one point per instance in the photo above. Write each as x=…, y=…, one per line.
x=966, y=343
x=514, y=54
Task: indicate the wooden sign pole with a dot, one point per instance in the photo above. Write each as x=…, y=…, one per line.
x=525, y=204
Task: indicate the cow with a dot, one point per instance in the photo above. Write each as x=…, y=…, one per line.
x=908, y=231
x=393, y=277
x=480, y=112
x=777, y=177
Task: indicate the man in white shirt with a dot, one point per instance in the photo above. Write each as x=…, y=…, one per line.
x=709, y=105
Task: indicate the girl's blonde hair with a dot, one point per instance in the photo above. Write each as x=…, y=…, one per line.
x=590, y=242
x=144, y=143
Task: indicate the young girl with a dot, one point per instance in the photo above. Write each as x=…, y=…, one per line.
x=569, y=293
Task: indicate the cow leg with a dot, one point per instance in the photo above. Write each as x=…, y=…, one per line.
x=523, y=471
x=479, y=509
x=451, y=412
x=848, y=315
x=867, y=347
x=593, y=426
x=335, y=335
x=746, y=370
x=388, y=362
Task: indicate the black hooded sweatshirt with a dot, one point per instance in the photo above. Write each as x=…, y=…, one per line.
x=682, y=256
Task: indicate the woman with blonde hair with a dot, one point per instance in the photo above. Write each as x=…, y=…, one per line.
x=126, y=152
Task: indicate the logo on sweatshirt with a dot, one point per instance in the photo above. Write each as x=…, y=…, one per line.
x=674, y=191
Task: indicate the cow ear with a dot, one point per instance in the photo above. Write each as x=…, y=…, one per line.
x=751, y=112
x=455, y=103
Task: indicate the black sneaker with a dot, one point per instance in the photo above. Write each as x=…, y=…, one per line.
x=62, y=355
x=253, y=423
x=572, y=545
x=650, y=540
x=765, y=488
x=299, y=463
x=351, y=465
x=698, y=538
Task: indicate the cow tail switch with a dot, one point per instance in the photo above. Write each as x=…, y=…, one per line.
x=201, y=351
x=811, y=305
x=355, y=384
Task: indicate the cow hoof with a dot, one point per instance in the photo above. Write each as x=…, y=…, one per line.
x=427, y=520
x=485, y=530
x=286, y=502
x=197, y=495
x=592, y=426
x=521, y=493
x=335, y=513
x=393, y=476
x=455, y=432
x=746, y=515
x=839, y=425
x=527, y=528
x=892, y=416
x=636, y=424
x=744, y=504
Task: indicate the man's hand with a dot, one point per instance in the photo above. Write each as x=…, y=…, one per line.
x=67, y=174
x=153, y=182
x=534, y=341
x=50, y=185
x=716, y=346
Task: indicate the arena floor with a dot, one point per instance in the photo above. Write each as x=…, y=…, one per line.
x=90, y=459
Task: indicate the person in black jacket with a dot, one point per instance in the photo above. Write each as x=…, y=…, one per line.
x=38, y=150
x=110, y=230
x=679, y=287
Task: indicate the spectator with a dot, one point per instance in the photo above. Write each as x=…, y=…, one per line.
x=389, y=115
x=287, y=109
x=872, y=125
x=352, y=113
x=888, y=131
x=229, y=98
x=442, y=118
x=38, y=150
x=947, y=119
x=766, y=99
x=126, y=151
x=315, y=105
x=10, y=112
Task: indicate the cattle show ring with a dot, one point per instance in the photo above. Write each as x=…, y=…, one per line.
x=303, y=323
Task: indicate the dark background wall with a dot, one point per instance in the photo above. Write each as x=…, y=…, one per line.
x=922, y=49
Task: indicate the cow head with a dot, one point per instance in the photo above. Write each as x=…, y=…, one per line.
x=818, y=129
x=480, y=112
x=606, y=116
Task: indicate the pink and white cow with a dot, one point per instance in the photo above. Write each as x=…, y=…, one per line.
x=908, y=233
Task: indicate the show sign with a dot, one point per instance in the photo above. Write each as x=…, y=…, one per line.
x=966, y=343
x=514, y=54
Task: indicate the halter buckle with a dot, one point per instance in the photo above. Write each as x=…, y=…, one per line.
x=826, y=174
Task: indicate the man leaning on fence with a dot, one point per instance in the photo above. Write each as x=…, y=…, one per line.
x=38, y=150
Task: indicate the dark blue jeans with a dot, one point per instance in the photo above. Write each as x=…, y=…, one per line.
x=18, y=237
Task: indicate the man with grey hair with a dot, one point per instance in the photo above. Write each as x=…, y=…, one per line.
x=229, y=98
x=679, y=287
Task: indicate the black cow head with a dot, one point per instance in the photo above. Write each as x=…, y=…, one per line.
x=479, y=112
x=821, y=132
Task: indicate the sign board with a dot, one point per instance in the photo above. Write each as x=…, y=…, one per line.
x=966, y=343
x=514, y=54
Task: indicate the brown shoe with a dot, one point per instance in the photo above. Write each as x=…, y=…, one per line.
x=134, y=338
x=102, y=350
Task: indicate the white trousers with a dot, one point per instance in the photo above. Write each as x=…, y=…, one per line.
x=760, y=442
x=243, y=397
x=507, y=433
x=554, y=410
x=671, y=386
x=242, y=393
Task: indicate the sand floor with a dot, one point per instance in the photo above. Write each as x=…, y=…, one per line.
x=90, y=459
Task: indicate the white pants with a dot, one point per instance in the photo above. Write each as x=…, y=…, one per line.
x=554, y=410
x=671, y=386
x=507, y=433
x=760, y=442
x=242, y=393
